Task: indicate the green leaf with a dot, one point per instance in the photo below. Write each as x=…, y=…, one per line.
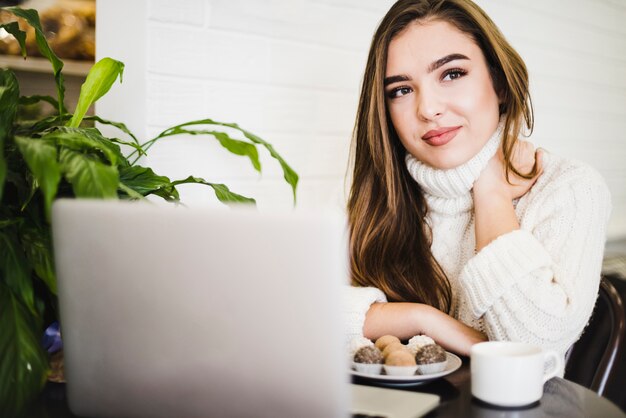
x=99, y=80
x=42, y=125
x=32, y=17
x=145, y=182
x=8, y=222
x=9, y=95
x=38, y=250
x=30, y=100
x=21, y=187
x=235, y=146
x=119, y=126
x=20, y=36
x=56, y=122
x=222, y=192
x=290, y=176
x=129, y=193
x=41, y=157
x=88, y=176
x=32, y=192
x=239, y=148
x=86, y=140
x=15, y=268
x=23, y=363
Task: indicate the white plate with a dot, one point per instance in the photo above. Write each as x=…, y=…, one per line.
x=454, y=362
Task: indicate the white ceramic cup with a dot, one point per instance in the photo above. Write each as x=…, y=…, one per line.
x=511, y=374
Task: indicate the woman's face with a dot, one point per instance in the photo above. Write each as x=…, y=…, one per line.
x=439, y=94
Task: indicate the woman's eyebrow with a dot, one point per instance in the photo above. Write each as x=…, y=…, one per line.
x=442, y=61
x=432, y=67
x=395, y=78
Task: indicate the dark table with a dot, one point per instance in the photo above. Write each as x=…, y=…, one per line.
x=561, y=398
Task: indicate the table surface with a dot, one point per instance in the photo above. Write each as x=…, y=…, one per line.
x=561, y=398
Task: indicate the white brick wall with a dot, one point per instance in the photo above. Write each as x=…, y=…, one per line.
x=290, y=71
x=576, y=54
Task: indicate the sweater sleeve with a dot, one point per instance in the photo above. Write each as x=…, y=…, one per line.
x=357, y=301
x=539, y=284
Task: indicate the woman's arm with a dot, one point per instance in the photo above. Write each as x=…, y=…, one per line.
x=538, y=282
x=404, y=320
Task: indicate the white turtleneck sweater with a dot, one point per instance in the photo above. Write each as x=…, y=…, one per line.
x=537, y=284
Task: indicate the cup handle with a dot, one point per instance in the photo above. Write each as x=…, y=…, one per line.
x=558, y=364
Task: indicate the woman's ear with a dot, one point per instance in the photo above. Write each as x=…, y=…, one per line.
x=501, y=102
x=498, y=85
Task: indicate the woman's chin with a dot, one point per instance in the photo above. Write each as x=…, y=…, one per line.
x=447, y=162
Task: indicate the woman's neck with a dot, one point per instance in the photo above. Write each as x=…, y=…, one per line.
x=449, y=190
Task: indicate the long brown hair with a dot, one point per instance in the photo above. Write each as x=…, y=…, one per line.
x=389, y=238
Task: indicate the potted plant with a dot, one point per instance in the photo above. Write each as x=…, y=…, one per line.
x=62, y=156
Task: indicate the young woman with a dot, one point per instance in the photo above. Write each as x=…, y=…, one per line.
x=459, y=229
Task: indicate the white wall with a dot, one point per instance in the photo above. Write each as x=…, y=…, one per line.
x=290, y=71
x=287, y=70
x=576, y=55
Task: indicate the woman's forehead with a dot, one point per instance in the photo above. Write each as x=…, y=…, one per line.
x=422, y=43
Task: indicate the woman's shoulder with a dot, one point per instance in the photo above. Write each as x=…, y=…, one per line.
x=568, y=186
x=560, y=171
x=567, y=182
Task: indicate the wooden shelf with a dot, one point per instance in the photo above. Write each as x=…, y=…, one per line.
x=42, y=65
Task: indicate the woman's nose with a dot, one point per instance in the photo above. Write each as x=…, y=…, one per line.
x=429, y=105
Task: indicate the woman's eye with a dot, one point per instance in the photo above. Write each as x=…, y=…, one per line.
x=398, y=92
x=453, y=74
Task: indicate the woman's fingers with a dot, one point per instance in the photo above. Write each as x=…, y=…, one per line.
x=525, y=158
x=495, y=178
x=539, y=160
x=524, y=155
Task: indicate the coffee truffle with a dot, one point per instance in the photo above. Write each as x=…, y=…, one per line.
x=385, y=340
x=368, y=355
x=400, y=358
x=390, y=348
x=431, y=353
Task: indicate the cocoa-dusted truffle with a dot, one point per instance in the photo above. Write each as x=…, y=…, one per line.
x=390, y=348
x=400, y=358
x=385, y=340
x=357, y=342
x=431, y=353
x=368, y=355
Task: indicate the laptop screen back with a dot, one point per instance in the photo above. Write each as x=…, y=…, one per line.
x=172, y=311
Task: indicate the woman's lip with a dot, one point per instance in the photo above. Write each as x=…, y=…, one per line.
x=440, y=137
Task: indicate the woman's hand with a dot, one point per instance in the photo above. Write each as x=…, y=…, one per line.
x=405, y=320
x=493, y=178
x=493, y=194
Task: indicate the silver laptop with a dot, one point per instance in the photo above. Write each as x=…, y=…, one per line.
x=177, y=312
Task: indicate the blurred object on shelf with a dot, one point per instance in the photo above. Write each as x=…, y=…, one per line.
x=5, y=3
x=57, y=372
x=69, y=27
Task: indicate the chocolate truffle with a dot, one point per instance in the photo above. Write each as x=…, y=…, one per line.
x=368, y=355
x=385, y=340
x=400, y=358
x=431, y=353
x=356, y=343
